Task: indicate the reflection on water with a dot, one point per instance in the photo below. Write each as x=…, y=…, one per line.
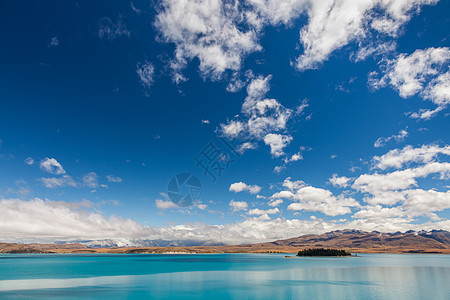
x=231, y=276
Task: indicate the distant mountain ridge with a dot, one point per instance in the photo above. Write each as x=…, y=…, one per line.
x=354, y=239
x=434, y=241
x=106, y=243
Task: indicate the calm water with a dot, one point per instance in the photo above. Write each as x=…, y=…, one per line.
x=224, y=276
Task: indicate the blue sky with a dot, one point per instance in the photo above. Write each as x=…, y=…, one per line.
x=338, y=110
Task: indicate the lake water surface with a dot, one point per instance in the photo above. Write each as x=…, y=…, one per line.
x=224, y=276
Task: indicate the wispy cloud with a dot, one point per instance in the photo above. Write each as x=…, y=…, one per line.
x=112, y=178
x=110, y=30
x=424, y=72
x=146, y=73
x=400, y=137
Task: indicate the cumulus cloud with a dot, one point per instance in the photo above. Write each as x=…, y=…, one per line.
x=238, y=205
x=222, y=33
x=396, y=158
x=207, y=30
x=334, y=24
x=381, y=142
x=412, y=203
x=310, y=198
x=264, y=119
x=241, y=186
x=146, y=72
x=341, y=181
x=45, y=219
x=264, y=115
x=52, y=166
x=277, y=143
x=232, y=129
x=293, y=185
x=399, y=180
x=257, y=211
x=379, y=212
x=424, y=202
x=424, y=72
x=165, y=204
x=110, y=30
x=294, y=157
x=316, y=199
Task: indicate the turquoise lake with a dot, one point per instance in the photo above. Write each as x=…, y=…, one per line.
x=224, y=276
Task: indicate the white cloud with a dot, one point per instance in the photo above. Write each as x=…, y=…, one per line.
x=381, y=142
x=294, y=157
x=112, y=178
x=310, y=198
x=274, y=11
x=264, y=119
x=165, y=204
x=135, y=9
x=202, y=206
x=279, y=169
x=257, y=211
x=316, y=199
x=208, y=30
x=398, y=157
x=277, y=143
x=238, y=205
x=112, y=30
x=246, y=146
x=376, y=184
x=56, y=182
x=232, y=129
x=222, y=33
x=46, y=221
x=91, y=180
x=413, y=202
x=52, y=166
x=379, y=212
x=424, y=202
x=241, y=186
x=205, y=121
x=53, y=220
x=341, y=181
x=29, y=161
x=334, y=24
x=293, y=185
x=146, y=72
x=264, y=115
x=54, y=41
x=424, y=72
x=275, y=202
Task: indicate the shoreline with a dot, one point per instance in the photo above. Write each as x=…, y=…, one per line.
x=127, y=251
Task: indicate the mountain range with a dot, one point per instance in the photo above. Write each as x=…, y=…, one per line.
x=434, y=241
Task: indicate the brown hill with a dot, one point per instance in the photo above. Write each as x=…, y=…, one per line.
x=435, y=241
x=372, y=241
